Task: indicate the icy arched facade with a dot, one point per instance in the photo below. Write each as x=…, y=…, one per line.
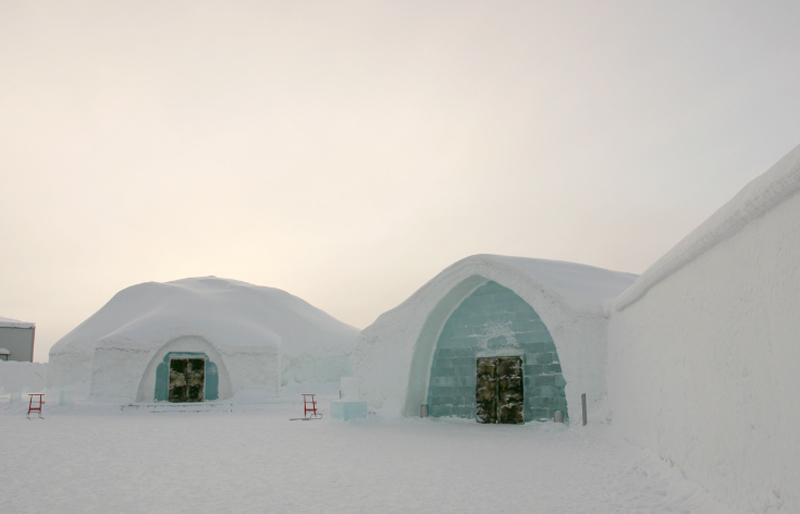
x=558, y=302
x=704, y=354
x=494, y=322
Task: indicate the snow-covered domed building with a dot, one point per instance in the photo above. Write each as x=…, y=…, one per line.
x=503, y=339
x=201, y=339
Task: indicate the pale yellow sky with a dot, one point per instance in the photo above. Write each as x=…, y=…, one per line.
x=346, y=152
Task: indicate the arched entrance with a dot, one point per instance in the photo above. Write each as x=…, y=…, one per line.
x=496, y=361
x=186, y=377
x=185, y=355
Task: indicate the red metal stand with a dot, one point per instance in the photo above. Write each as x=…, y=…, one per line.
x=310, y=406
x=37, y=406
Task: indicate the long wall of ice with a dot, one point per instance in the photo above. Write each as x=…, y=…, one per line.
x=704, y=354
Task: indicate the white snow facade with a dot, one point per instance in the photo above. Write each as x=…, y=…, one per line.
x=547, y=315
x=214, y=337
x=704, y=349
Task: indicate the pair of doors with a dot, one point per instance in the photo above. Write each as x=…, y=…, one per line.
x=499, y=391
x=187, y=378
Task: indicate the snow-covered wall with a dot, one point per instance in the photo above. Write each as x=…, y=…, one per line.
x=315, y=369
x=17, y=377
x=394, y=355
x=68, y=366
x=704, y=349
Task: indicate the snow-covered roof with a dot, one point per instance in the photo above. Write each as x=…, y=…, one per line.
x=4, y=351
x=575, y=283
x=14, y=323
x=577, y=286
x=224, y=312
x=761, y=195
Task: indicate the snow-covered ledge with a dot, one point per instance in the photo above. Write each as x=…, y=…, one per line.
x=781, y=182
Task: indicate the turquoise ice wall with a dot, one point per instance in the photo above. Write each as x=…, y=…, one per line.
x=493, y=321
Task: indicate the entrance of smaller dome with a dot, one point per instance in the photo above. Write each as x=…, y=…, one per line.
x=187, y=380
x=499, y=391
x=186, y=377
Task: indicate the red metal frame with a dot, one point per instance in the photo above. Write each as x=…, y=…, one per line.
x=35, y=408
x=309, y=405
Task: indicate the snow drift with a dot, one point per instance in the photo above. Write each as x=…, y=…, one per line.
x=22, y=377
x=394, y=355
x=259, y=337
x=704, y=353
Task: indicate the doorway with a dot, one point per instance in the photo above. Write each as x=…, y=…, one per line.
x=499, y=392
x=187, y=380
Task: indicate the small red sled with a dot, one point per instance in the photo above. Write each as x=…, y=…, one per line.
x=35, y=404
x=309, y=409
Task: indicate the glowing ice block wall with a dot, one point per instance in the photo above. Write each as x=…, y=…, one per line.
x=494, y=321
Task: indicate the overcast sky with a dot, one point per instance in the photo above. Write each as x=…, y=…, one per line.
x=347, y=152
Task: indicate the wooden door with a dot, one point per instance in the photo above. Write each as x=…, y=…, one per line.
x=187, y=380
x=499, y=391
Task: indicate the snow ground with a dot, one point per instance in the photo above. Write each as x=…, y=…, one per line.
x=82, y=459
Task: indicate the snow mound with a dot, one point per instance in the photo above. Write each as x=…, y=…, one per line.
x=579, y=285
x=238, y=313
x=233, y=316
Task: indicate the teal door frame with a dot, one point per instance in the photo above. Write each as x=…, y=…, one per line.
x=211, y=386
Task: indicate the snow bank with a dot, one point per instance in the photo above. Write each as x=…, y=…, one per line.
x=18, y=377
x=703, y=348
x=260, y=337
x=394, y=354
